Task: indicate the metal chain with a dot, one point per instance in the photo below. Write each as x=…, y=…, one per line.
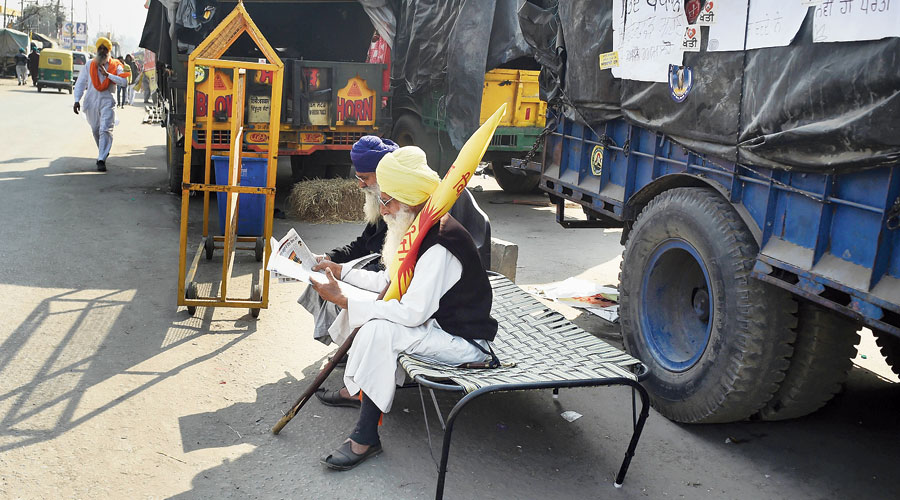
x=538, y=143
x=893, y=215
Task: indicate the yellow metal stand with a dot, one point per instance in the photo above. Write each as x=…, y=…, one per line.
x=207, y=57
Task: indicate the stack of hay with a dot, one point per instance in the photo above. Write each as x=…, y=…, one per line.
x=329, y=201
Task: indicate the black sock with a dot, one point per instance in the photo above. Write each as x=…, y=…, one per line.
x=366, y=431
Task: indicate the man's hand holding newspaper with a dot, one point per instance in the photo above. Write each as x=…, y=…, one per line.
x=292, y=261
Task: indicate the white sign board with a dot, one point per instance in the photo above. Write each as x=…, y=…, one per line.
x=773, y=23
x=648, y=36
x=258, y=108
x=849, y=21
x=727, y=33
x=80, y=36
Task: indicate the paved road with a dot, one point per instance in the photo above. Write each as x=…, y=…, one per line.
x=108, y=390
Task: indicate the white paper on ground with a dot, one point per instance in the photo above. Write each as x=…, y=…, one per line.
x=570, y=415
x=577, y=287
x=610, y=313
x=565, y=292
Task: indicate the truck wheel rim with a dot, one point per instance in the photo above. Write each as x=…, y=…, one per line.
x=676, y=305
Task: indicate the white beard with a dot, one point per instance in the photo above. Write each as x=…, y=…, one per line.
x=397, y=225
x=372, y=208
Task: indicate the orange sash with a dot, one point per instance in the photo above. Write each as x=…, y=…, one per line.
x=112, y=69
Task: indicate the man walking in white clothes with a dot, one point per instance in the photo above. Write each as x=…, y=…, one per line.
x=97, y=83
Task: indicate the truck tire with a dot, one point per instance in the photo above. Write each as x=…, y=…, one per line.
x=174, y=161
x=508, y=181
x=410, y=131
x=716, y=341
x=823, y=355
x=890, y=349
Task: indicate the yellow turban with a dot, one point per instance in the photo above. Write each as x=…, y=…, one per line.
x=405, y=176
x=104, y=41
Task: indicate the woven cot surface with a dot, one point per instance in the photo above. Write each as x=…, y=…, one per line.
x=541, y=343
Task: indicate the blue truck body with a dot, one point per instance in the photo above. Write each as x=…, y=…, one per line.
x=829, y=238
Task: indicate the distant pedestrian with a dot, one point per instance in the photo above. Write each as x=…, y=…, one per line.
x=122, y=90
x=22, y=67
x=34, y=59
x=145, y=85
x=129, y=60
x=94, y=82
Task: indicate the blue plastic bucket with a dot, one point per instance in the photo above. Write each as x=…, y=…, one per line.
x=251, y=207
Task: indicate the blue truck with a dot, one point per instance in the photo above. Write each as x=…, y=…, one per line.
x=758, y=192
x=741, y=287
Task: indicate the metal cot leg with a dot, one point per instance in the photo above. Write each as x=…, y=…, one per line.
x=457, y=409
x=636, y=435
x=448, y=434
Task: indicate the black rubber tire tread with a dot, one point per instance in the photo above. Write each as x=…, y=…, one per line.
x=750, y=342
x=191, y=293
x=823, y=355
x=890, y=349
x=209, y=247
x=174, y=161
x=409, y=130
x=259, y=249
x=255, y=294
x=508, y=181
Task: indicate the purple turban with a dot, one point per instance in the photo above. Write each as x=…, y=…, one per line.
x=368, y=150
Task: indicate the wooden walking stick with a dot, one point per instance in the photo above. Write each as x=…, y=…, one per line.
x=438, y=204
x=320, y=378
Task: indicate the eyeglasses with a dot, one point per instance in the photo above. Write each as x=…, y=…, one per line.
x=385, y=203
x=360, y=179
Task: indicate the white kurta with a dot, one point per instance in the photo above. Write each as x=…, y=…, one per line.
x=389, y=328
x=99, y=108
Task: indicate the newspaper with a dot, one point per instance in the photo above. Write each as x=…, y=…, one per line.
x=292, y=261
x=598, y=300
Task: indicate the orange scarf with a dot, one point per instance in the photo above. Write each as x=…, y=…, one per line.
x=112, y=69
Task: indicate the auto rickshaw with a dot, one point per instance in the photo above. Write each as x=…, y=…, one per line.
x=55, y=70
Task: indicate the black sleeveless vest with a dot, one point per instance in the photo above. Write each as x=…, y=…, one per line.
x=465, y=310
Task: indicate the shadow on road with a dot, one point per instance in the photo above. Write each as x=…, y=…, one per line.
x=99, y=300
x=501, y=448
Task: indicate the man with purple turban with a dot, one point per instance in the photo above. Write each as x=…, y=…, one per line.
x=365, y=155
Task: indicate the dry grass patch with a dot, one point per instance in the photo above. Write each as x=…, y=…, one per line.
x=329, y=201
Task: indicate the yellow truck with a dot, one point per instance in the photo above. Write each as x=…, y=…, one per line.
x=523, y=123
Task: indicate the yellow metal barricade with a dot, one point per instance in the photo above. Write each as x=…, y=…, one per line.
x=207, y=57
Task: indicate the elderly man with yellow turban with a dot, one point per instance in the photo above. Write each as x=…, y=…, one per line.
x=97, y=83
x=444, y=315
x=365, y=250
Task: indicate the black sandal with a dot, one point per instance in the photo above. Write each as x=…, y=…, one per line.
x=343, y=458
x=334, y=398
